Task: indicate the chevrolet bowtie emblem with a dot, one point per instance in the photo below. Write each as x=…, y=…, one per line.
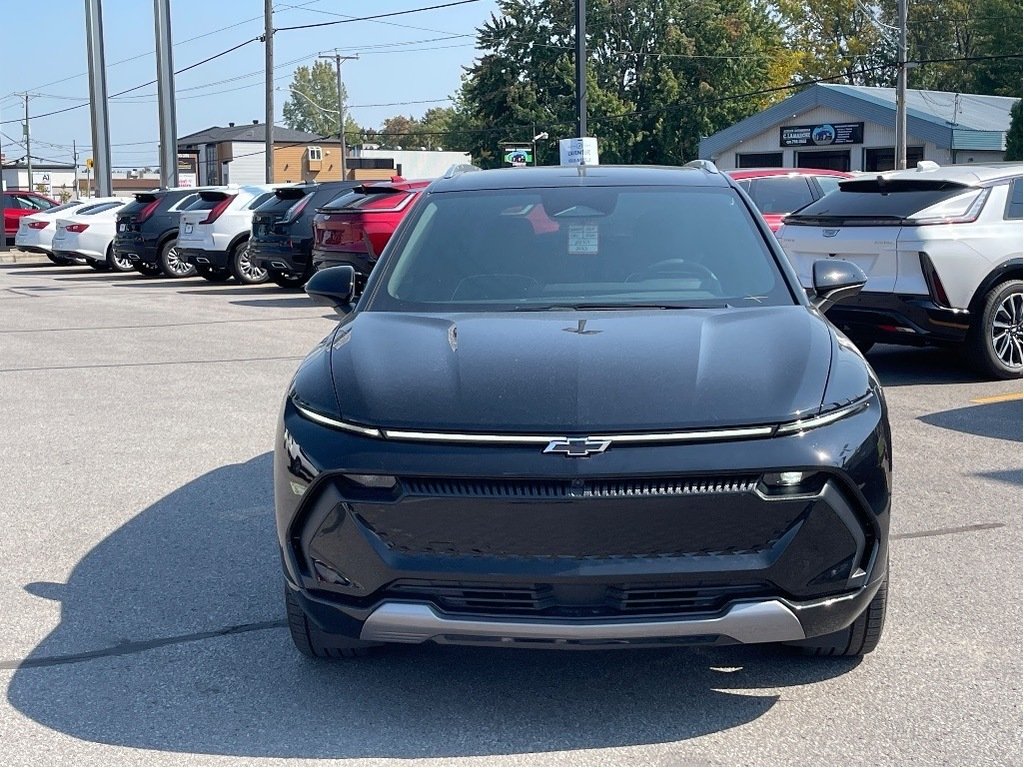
x=577, y=447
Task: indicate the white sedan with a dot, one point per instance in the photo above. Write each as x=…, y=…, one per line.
x=88, y=235
x=35, y=232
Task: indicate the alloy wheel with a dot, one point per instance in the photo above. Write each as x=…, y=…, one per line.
x=1008, y=330
x=176, y=265
x=251, y=272
x=121, y=263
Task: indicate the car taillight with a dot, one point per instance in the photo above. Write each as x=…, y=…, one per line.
x=77, y=227
x=146, y=212
x=218, y=209
x=296, y=210
x=38, y=224
x=937, y=214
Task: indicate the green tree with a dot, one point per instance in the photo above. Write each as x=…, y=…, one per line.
x=316, y=110
x=661, y=74
x=998, y=27
x=1013, y=136
x=842, y=39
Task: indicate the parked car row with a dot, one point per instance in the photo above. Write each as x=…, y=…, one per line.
x=941, y=247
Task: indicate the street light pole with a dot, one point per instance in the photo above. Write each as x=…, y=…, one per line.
x=581, y=67
x=28, y=146
x=901, y=89
x=338, y=58
x=98, y=97
x=268, y=44
x=165, y=94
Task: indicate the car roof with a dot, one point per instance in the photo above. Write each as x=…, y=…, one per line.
x=969, y=175
x=756, y=173
x=581, y=176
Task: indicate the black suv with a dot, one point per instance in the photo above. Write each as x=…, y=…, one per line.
x=584, y=407
x=282, y=231
x=147, y=231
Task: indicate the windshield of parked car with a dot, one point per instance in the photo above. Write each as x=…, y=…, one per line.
x=580, y=247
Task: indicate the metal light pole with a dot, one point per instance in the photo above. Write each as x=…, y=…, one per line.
x=98, y=96
x=538, y=137
x=28, y=146
x=268, y=42
x=581, y=67
x=901, y=89
x=338, y=58
x=165, y=94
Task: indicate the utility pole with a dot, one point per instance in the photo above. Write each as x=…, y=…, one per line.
x=165, y=94
x=74, y=159
x=268, y=47
x=581, y=67
x=98, y=96
x=28, y=146
x=338, y=58
x=901, y=89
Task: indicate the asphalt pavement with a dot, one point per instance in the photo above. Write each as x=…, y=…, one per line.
x=140, y=589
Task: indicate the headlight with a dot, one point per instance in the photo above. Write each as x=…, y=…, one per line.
x=821, y=420
x=331, y=421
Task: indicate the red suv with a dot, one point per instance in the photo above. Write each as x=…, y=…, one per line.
x=778, y=191
x=353, y=228
x=17, y=204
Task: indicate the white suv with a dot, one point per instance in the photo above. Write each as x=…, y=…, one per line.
x=942, y=251
x=213, y=233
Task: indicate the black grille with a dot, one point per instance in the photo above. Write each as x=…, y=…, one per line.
x=575, y=600
x=617, y=525
x=559, y=489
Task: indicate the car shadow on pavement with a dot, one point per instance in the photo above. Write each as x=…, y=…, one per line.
x=171, y=638
x=904, y=366
x=1002, y=420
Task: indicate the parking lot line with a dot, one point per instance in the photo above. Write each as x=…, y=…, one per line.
x=1003, y=398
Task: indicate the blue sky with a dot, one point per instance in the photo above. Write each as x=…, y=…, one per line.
x=425, y=65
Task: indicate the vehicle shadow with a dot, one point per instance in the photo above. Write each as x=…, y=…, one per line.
x=297, y=302
x=183, y=609
x=904, y=366
x=1001, y=420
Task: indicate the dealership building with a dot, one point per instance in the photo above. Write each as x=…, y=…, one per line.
x=853, y=128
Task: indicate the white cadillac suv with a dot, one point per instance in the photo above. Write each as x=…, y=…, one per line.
x=941, y=247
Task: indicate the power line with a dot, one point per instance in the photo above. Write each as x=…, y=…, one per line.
x=378, y=16
x=143, y=85
x=375, y=21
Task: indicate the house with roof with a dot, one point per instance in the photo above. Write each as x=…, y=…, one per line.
x=853, y=128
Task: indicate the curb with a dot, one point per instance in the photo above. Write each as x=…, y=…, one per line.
x=14, y=256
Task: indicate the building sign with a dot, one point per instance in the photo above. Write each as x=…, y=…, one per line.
x=822, y=135
x=579, y=151
x=518, y=155
x=188, y=170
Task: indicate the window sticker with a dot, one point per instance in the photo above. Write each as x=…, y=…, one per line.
x=583, y=239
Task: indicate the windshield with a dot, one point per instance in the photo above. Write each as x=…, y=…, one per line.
x=580, y=247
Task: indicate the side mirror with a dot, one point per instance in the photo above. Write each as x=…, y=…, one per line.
x=835, y=280
x=333, y=287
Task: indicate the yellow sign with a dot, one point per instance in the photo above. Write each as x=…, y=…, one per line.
x=88, y=163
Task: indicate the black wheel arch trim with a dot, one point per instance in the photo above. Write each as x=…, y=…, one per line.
x=1011, y=269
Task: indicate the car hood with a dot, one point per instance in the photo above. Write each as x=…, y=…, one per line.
x=581, y=372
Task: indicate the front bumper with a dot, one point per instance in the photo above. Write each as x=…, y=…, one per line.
x=900, y=319
x=217, y=260
x=584, y=553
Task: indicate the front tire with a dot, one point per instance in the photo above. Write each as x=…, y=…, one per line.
x=291, y=280
x=148, y=270
x=243, y=268
x=311, y=641
x=99, y=266
x=118, y=263
x=213, y=275
x=171, y=264
x=859, y=638
x=995, y=341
